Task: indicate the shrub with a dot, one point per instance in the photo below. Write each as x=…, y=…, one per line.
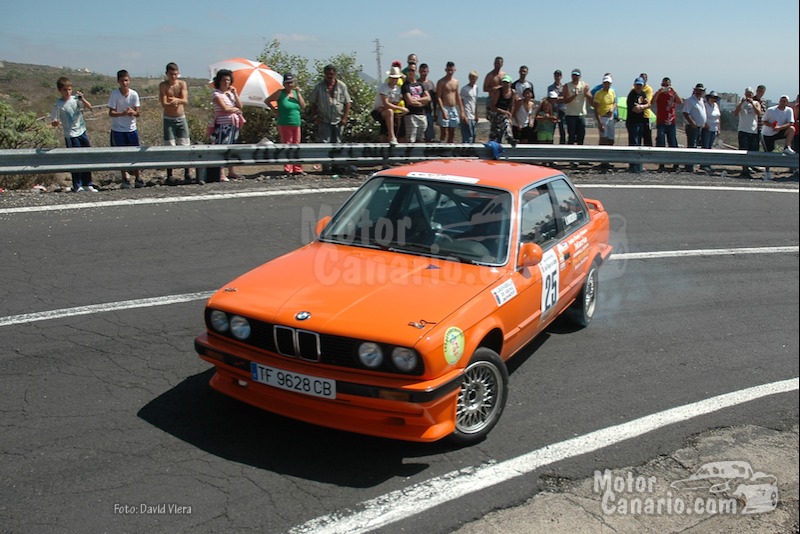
x=20, y=129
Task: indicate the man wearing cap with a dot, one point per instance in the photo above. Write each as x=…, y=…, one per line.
x=605, y=102
x=560, y=107
x=694, y=115
x=387, y=105
x=748, y=112
x=647, y=139
x=636, y=121
x=576, y=97
x=666, y=101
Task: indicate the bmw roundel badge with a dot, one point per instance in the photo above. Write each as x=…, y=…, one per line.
x=302, y=316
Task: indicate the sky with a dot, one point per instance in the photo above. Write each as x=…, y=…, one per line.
x=727, y=45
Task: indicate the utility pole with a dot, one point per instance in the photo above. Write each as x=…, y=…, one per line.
x=378, y=58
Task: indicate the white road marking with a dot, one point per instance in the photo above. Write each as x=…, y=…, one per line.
x=100, y=308
x=401, y=504
x=187, y=297
x=294, y=192
x=689, y=187
x=171, y=200
x=703, y=252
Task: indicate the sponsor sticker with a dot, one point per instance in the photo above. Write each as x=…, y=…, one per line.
x=504, y=292
x=453, y=344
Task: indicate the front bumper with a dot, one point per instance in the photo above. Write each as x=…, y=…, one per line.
x=405, y=410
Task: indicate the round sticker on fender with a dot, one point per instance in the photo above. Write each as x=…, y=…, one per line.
x=549, y=268
x=453, y=344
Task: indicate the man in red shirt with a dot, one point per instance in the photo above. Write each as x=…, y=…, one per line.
x=666, y=101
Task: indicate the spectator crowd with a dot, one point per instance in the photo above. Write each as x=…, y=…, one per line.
x=409, y=105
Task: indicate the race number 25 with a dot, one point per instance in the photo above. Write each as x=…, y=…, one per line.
x=549, y=269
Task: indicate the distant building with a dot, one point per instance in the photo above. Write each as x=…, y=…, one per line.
x=728, y=101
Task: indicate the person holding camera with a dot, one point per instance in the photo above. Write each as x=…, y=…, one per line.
x=748, y=112
x=67, y=112
x=666, y=101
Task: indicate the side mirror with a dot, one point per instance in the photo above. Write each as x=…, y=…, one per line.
x=321, y=224
x=530, y=254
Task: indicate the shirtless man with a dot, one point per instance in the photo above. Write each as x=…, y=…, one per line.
x=174, y=95
x=450, y=106
x=492, y=80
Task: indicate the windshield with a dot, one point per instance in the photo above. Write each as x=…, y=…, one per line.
x=448, y=220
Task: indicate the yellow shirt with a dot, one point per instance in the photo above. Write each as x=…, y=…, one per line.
x=604, y=101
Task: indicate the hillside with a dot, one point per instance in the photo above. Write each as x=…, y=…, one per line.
x=33, y=87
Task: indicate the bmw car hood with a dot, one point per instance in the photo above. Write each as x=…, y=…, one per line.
x=353, y=291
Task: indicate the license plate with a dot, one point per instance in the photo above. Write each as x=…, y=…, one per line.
x=299, y=383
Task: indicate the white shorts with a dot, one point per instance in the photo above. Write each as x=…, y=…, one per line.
x=608, y=127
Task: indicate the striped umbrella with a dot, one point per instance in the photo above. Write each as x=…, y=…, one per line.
x=253, y=80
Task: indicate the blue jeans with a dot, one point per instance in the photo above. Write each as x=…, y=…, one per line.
x=330, y=133
x=468, y=130
x=430, y=131
x=636, y=133
x=692, y=141
x=576, y=127
x=707, y=138
x=666, y=135
x=83, y=178
x=562, y=137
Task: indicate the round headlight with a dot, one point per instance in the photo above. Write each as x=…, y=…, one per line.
x=240, y=328
x=404, y=359
x=219, y=321
x=370, y=354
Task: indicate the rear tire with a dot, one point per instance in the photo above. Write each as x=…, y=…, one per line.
x=581, y=311
x=481, y=397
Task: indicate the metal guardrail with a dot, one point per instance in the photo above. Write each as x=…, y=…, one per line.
x=43, y=161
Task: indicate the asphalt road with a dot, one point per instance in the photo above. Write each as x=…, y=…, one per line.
x=108, y=424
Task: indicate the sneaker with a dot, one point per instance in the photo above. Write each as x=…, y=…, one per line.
x=125, y=185
x=138, y=183
x=393, y=141
x=789, y=151
x=91, y=189
x=224, y=179
x=80, y=190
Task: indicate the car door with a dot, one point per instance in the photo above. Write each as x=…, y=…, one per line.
x=572, y=247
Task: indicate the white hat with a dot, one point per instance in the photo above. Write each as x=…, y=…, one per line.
x=395, y=73
x=606, y=78
x=552, y=94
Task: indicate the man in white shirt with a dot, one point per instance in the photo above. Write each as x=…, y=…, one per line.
x=778, y=123
x=469, y=99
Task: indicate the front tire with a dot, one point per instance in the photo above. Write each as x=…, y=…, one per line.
x=481, y=397
x=581, y=311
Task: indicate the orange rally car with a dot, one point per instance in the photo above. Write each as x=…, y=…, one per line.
x=398, y=319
